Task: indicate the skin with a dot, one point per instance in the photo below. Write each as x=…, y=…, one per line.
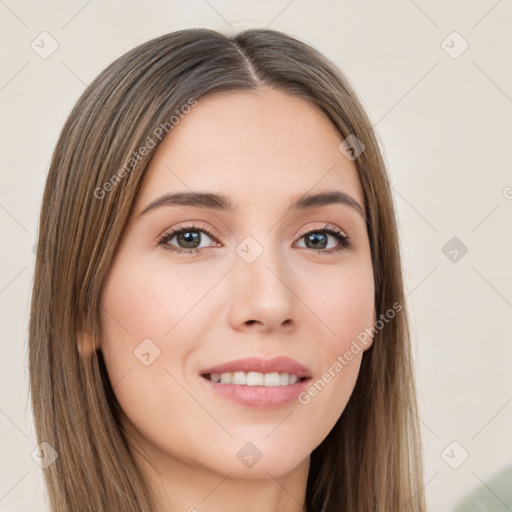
x=261, y=149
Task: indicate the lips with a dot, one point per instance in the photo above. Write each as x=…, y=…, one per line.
x=279, y=364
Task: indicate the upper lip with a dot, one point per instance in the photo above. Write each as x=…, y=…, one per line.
x=281, y=364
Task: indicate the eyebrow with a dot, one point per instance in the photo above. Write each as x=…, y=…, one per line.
x=209, y=200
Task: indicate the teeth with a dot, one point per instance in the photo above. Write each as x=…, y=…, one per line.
x=254, y=378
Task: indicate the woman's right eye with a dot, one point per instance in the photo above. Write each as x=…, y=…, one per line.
x=188, y=235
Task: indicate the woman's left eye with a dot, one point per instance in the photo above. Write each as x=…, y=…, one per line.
x=190, y=237
x=319, y=238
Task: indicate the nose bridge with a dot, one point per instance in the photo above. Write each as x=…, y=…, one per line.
x=261, y=257
x=263, y=279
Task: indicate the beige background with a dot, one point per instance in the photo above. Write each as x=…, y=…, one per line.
x=445, y=126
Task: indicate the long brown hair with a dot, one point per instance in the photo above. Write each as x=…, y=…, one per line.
x=371, y=459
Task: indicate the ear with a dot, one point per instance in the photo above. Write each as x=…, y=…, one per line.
x=86, y=343
x=369, y=343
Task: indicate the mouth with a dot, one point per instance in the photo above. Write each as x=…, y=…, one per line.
x=255, y=371
x=258, y=383
x=241, y=378
x=256, y=390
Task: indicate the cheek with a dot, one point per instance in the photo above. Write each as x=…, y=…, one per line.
x=156, y=302
x=143, y=364
x=345, y=306
x=342, y=299
x=324, y=400
x=151, y=317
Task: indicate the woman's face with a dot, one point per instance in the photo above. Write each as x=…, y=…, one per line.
x=257, y=285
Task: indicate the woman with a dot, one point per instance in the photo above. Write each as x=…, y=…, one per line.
x=218, y=316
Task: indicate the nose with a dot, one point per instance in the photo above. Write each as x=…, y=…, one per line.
x=263, y=295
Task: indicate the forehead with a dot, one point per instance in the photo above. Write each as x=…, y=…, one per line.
x=257, y=147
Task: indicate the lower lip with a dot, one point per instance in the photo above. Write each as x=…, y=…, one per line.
x=258, y=397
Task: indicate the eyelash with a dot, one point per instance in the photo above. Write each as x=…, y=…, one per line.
x=343, y=239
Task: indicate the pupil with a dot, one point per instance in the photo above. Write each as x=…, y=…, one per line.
x=315, y=238
x=189, y=237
